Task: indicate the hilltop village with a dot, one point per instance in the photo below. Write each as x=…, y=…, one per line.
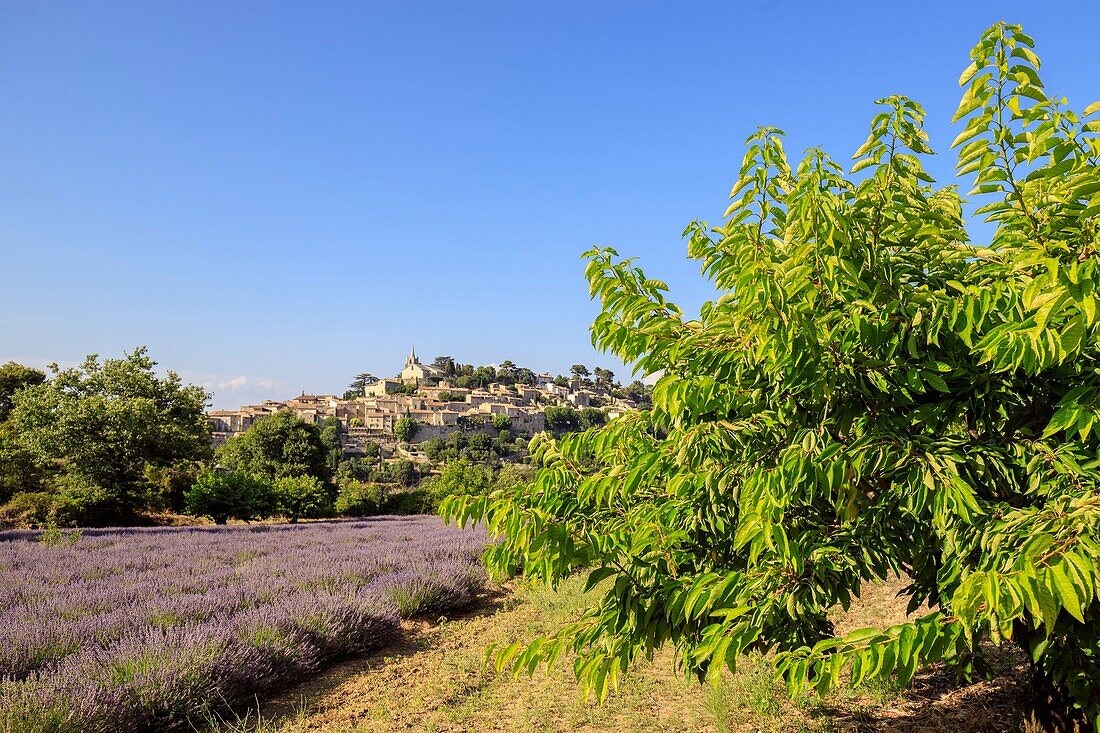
x=430, y=395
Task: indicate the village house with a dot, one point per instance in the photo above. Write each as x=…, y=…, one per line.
x=436, y=405
x=383, y=387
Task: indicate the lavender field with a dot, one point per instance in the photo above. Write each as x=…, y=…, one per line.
x=144, y=629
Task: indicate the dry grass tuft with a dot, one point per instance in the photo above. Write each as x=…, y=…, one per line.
x=437, y=679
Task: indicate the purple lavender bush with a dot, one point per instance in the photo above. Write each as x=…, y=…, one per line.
x=144, y=629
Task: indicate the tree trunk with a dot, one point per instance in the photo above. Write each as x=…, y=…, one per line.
x=1048, y=710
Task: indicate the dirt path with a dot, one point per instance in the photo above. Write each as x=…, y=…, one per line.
x=437, y=679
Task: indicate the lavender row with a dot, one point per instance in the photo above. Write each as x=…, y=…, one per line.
x=142, y=629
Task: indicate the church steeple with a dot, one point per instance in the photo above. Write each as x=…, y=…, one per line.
x=412, y=357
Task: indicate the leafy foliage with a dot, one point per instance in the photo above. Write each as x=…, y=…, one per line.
x=90, y=435
x=562, y=419
x=592, y=417
x=405, y=428
x=359, y=499
x=870, y=394
x=475, y=447
x=302, y=496
x=359, y=384
x=459, y=477
x=19, y=471
x=391, y=472
x=14, y=377
x=278, y=446
x=223, y=495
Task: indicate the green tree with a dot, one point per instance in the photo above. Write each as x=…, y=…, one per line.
x=223, y=495
x=445, y=364
x=459, y=477
x=434, y=448
x=511, y=475
x=635, y=391
x=580, y=372
x=354, y=469
x=19, y=471
x=502, y=422
x=358, y=385
x=169, y=484
x=869, y=394
x=330, y=437
x=405, y=428
x=331, y=432
x=591, y=417
x=277, y=446
x=105, y=424
x=301, y=496
x=471, y=378
x=604, y=377
x=358, y=499
x=400, y=472
x=562, y=419
x=506, y=372
x=14, y=377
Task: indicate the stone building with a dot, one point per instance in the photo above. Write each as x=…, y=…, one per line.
x=416, y=373
x=422, y=392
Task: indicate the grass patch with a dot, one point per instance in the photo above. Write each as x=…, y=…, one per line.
x=440, y=680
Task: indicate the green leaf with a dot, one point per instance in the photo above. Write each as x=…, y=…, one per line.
x=1065, y=591
x=598, y=575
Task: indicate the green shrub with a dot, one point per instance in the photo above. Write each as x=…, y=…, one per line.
x=434, y=448
x=359, y=499
x=55, y=537
x=279, y=445
x=167, y=485
x=412, y=501
x=71, y=500
x=298, y=497
x=223, y=495
x=80, y=501
x=562, y=419
x=458, y=478
x=405, y=429
x=354, y=469
x=591, y=417
x=33, y=509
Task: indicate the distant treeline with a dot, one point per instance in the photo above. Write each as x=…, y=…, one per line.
x=468, y=376
x=110, y=442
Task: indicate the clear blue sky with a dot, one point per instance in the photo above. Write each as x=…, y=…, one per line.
x=274, y=196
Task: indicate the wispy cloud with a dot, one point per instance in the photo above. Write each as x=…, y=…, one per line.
x=231, y=391
x=243, y=383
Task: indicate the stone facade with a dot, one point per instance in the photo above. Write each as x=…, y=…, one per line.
x=374, y=415
x=416, y=373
